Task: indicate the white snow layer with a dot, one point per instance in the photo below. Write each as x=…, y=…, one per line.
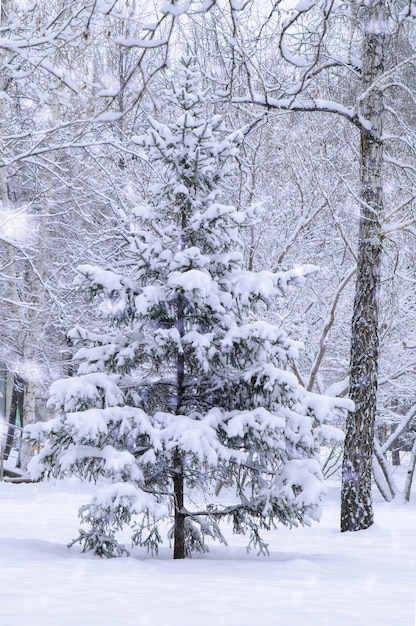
x=313, y=576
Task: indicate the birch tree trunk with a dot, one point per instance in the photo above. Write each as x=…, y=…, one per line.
x=356, y=499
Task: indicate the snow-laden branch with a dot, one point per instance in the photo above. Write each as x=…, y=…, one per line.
x=247, y=284
x=327, y=327
x=405, y=420
x=301, y=104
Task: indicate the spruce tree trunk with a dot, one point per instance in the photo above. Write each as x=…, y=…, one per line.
x=356, y=499
x=179, y=551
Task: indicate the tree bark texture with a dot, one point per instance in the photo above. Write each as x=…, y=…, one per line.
x=356, y=499
x=15, y=405
x=179, y=549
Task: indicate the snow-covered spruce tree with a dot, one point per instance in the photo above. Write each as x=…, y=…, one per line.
x=187, y=390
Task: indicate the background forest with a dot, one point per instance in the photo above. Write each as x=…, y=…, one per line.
x=322, y=94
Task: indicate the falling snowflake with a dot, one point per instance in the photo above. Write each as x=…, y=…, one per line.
x=16, y=224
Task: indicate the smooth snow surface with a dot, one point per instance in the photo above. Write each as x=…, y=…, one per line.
x=313, y=577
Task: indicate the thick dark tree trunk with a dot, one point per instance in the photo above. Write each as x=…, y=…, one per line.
x=356, y=499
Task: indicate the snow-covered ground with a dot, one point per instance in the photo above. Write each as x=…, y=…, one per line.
x=313, y=576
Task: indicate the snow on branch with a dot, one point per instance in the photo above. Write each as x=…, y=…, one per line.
x=95, y=278
x=248, y=285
